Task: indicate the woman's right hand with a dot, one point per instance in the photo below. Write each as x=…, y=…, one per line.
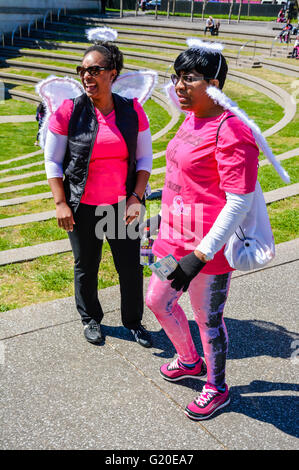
x=64, y=216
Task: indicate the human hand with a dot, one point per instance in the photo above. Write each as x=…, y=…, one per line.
x=188, y=267
x=64, y=216
x=133, y=210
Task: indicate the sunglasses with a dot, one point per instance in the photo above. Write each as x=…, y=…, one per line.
x=186, y=78
x=94, y=70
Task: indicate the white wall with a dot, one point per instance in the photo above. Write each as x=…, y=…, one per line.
x=10, y=19
x=48, y=3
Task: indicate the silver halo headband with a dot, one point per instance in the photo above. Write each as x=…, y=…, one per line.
x=212, y=47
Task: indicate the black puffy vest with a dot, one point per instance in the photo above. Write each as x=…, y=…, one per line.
x=82, y=131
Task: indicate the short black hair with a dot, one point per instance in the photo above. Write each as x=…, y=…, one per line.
x=204, y=62
x=112, y=55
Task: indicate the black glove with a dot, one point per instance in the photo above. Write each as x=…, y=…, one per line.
x=187, y=268
x=153, y=224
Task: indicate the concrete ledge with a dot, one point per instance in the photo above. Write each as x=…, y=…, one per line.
x=18, y=118
x=25, y=219
x=18, y=187
x=22, y=157
x=281, y=157
x=28, y=253
x=21, y=176
x=281, y=193
x=22, y=199
x=22, y=167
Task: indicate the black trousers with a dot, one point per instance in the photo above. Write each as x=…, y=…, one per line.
x=91, y=223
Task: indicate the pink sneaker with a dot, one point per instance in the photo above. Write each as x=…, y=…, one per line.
x=174, y=371
x=207, y=403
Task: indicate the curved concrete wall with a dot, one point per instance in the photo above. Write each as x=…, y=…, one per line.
x=22, y=12
x=48, y=4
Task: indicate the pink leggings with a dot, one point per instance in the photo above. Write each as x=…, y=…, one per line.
x=208, y=294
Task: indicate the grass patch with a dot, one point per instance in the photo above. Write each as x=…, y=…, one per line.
x=157, y=181
x=17, y=139
x=30, y=179
x=159, y=162
x=30, y=234
x=269, y=178
x=13, y=107
x=284, y=218
x=26, y=192
x=26, y=72
x=39, y=60
x=21, y=162
x=23, y=171
x=264, y=111
x=30, y=207
x=158, y=116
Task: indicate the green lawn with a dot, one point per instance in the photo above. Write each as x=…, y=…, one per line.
x=17, y=139
x=51, y=277
x=12, y=107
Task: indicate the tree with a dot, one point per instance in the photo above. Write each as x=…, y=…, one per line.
x=240, y=7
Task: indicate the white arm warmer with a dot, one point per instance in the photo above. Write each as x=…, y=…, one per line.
x=226, y=223
x=144, y=152
x=54, y=154
x=56, y=146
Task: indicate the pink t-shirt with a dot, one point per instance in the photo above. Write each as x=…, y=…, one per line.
x=108, y=166
x=197, y=176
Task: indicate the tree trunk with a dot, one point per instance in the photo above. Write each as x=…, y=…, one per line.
x=168, y=8
x=230, y=11
x=173, y=7
x=203, y=8
x=239, y=13
x=192, y=10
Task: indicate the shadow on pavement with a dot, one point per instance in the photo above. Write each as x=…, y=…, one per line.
x=248, y=338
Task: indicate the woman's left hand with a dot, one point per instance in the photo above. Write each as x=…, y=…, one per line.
x=188, y=267
x=133, y=210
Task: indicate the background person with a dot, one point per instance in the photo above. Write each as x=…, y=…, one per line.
x=100, y=143
x=40, y=114
x=210, y=25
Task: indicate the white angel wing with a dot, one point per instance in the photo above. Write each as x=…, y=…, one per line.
x=53, y=91
x=172, y=96
x=139, y=84
x=219, y=97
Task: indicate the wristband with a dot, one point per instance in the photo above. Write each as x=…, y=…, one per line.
x=137, y=197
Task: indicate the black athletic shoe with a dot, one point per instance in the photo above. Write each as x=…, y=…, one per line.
x=142, y=337
x=92, y=332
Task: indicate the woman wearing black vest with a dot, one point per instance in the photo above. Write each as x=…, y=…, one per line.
x=98, y=161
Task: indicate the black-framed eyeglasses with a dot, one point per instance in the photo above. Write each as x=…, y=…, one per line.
x=185, y=78
x=94, y=70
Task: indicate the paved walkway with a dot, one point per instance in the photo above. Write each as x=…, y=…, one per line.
x=60, y=392
x=18, y=118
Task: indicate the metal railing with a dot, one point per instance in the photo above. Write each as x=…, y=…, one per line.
x=18, y=27
x=242, y=47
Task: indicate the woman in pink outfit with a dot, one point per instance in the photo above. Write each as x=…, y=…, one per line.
x=210, y=179
x=98, y=157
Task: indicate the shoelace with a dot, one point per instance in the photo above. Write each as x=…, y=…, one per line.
x=174, y=364
x=94, y=327
x=205, y=396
